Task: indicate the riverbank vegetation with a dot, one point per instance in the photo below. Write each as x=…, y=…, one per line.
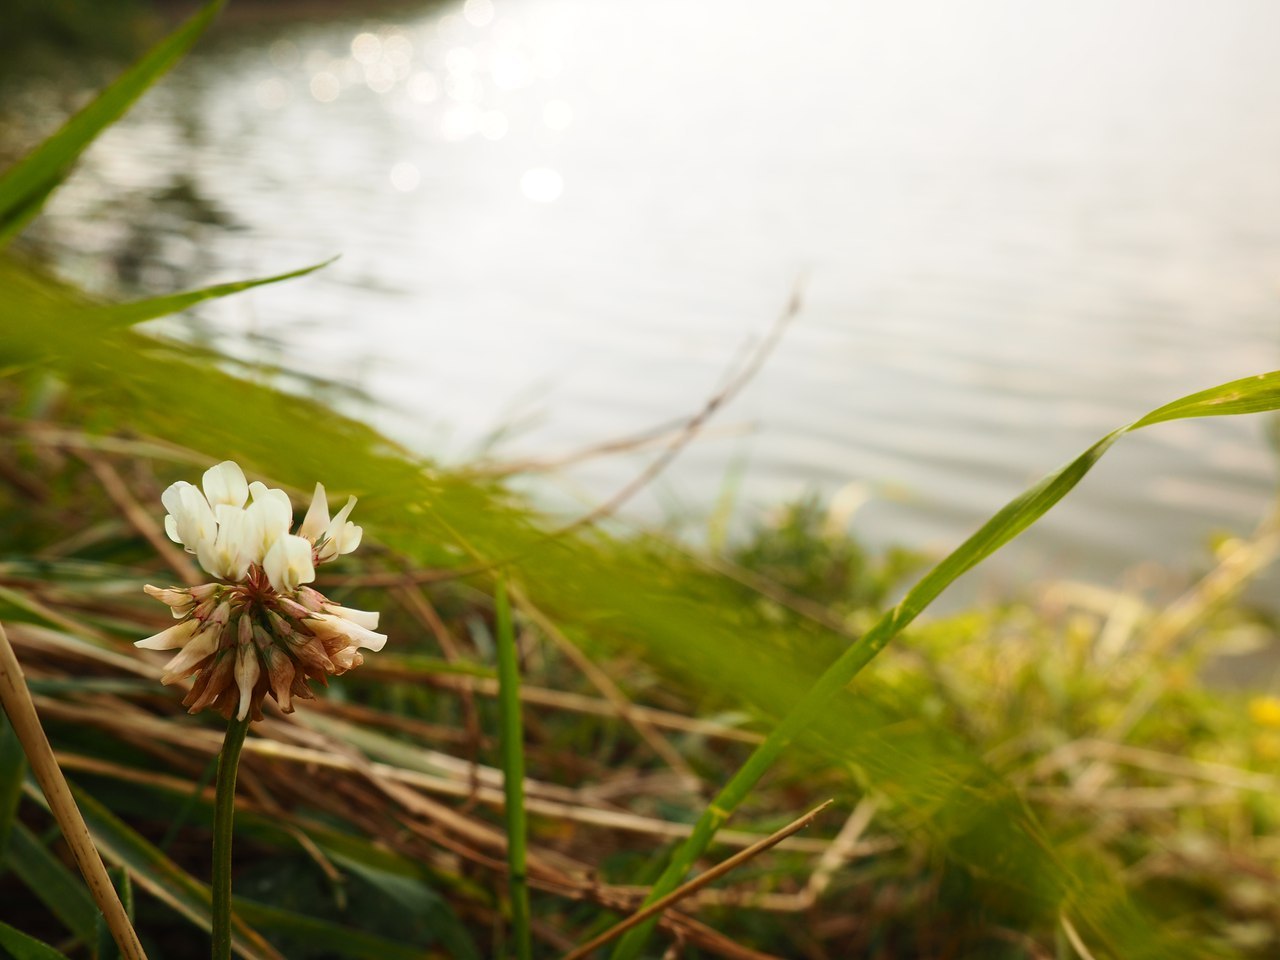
x=1050, y=776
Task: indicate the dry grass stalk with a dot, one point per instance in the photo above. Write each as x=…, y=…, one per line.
x=696, y=884
x=44, y=766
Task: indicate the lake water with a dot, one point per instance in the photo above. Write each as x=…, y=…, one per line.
x=563, y=221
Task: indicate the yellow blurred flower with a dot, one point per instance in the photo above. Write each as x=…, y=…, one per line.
x=1265, y=711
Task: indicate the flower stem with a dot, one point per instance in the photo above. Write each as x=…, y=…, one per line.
x=223, y=814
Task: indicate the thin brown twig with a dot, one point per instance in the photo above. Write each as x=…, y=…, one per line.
x=26, y=725
x=696, y=884
x=732, y=388
x=691, y=428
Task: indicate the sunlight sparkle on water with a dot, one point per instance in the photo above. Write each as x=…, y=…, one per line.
x=405, y=176
x=463, y=87
x=479, y=13
x=557, y=114
x=542, y=185
x=422, y=87
x=325, y=86
x=460, y=121
x=511, y=70
x=380, y=77
x=493, y=125
x=366, y=48
x=397, y=50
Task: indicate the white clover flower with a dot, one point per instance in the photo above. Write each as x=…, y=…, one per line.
x=259, y=629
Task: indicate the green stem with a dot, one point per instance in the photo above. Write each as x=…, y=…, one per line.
x=223, y=814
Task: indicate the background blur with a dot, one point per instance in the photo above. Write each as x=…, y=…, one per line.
x=561, y=222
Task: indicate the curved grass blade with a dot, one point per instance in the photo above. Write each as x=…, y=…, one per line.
x=25, y=186
x=22, y=947
x=512, y=746
x=127, y=314
x=1250, y=395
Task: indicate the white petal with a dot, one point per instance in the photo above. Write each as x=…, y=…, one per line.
x=288, y=563
x=317, y=518
x=176, y=636
x=247, y=671
x=365, y=618
x=172, y=496
x=268, y=519
x=342, y=536
x=171, y=528
x=337, y=523
x=193, y=520
x=229, y=555
x=203, y=644
x=351, y=630
x=225, y=483
x=352, y=534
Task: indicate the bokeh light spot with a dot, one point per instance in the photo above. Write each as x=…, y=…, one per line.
x=366, y=48
x=478, y=13
x=542, y=184
x=405, y=176
x=325, y=86
x=557, y=114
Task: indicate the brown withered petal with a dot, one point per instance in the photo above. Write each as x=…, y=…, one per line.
x=213, y=683
x=280, y=674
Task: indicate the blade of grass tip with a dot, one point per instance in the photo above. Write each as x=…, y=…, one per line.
x=25, y=186
x=13, y=766
x=107, y=949
x=22, y=947
x=44, y=767
x=128, y=314
x=512, y=749
x=1249, y=395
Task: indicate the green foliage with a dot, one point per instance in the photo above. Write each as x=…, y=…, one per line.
x=22, y=947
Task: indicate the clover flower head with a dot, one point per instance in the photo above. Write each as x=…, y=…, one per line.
x=258, y=629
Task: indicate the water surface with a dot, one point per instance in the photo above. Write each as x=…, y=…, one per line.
x=1019, y=226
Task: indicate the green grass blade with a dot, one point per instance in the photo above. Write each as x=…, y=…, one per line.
x=127, y=314
x=13, y=766
x=1251, y=395
x=25, y=186
x=62, y=891
x=22, y=947
x=512, y=748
